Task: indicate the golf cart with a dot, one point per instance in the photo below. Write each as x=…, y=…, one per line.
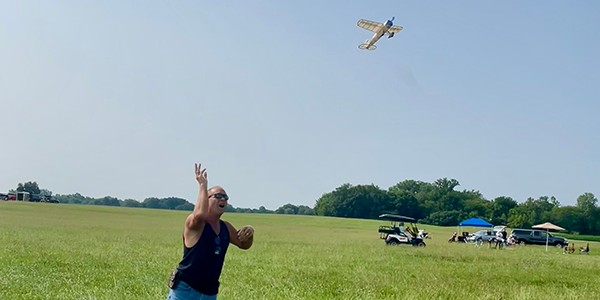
x=397, y=234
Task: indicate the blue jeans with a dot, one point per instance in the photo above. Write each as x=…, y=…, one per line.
x=184, y=291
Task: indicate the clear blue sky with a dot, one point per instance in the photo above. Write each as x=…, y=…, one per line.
x=121, y=98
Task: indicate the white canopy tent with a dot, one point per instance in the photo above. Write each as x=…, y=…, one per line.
x=548, y=226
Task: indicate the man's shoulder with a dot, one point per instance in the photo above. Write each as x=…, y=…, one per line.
x=194, y=225
x=227, y=225
x=230, y=228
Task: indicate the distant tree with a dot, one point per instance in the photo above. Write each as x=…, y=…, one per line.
x=185, y=206
x=45, y=192
x=445, y=218
x=109, y=201
x=29, y=186
x=411, y=186
x=325, y=205
x=404, y=202
x=172, y=202
x=568, y=217
x=305, y=210
x=446, y=185
x=131, y=203
x=360, y=201
x=152, y=202
x=590, y=216
x=230, y=208
x=287, y=208
x=587, y=202
x=516, y=220
x=499, y=209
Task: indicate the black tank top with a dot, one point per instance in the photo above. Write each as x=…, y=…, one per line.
x=201, y=265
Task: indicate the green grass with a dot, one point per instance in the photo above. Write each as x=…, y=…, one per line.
x=577, y=237
x=57, y=251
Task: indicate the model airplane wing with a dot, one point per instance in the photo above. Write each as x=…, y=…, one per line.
x=369, y=25
x=395, y=29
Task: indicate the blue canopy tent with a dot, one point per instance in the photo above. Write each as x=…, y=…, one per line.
x=474, y=222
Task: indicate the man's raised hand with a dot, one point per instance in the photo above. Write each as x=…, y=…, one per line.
x=201, y=176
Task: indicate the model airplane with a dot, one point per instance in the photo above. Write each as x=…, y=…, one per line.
x=380, y=29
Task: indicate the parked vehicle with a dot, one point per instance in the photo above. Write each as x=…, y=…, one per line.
x=27, y=197
x=538, y=237
x=482, y=236
x=397, y=234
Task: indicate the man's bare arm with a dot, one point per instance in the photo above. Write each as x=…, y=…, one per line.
x=198, y=216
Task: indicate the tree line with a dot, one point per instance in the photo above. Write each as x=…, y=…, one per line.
x=439, y=203
x=172, y=203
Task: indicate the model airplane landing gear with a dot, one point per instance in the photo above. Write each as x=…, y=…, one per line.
x=366, y=47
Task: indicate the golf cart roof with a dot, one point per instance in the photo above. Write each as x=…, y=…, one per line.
x=397, y=218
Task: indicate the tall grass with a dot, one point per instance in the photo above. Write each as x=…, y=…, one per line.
x=53, y=251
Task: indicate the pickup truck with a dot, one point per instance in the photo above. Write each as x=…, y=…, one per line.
x=538, y=237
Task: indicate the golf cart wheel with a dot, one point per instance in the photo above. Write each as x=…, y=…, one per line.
x=393, y=243
x=421, y=244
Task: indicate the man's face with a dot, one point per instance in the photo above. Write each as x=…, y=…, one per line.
x=217, y=200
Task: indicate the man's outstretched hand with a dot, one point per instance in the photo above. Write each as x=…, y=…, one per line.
x=201, y=175
x=245, y=233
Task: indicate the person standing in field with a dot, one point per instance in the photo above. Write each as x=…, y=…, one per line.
x=205, y=241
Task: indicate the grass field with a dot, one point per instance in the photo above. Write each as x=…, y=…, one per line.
x=591, y=238
x=56, y=251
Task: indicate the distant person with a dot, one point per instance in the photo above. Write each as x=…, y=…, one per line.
x=499, y=239
x=504, y=233
x=511, y=240
x=582, y=249
x=452, y=238
x=205, y=241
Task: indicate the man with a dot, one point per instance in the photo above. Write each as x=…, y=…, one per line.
x=205, y=241
x=499, y=239
x=504, y=233
x=511, y=240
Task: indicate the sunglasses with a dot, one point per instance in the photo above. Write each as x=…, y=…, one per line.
x=218, y=242
x=221, y=196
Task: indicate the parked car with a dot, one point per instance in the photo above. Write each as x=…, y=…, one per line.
x=482, y=236
x=538, y=237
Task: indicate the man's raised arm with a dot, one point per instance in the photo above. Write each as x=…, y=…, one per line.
x=198, y=216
